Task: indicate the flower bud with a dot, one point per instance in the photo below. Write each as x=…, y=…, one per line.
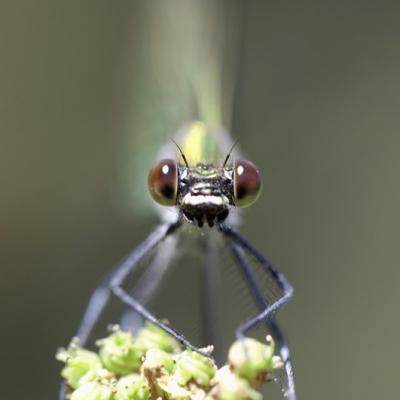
x=229, y=386
x=93, y=391
x=151, y=336
x=132, y=387
x=193, y=366
x=252, y=360
x=81, y=366
x=119, y=354
x=156, y=359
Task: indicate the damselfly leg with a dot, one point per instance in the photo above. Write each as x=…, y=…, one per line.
x=240, y=247
x=112, y=285
x=113, y=280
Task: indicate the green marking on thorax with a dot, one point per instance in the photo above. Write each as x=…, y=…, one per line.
x=199, y=145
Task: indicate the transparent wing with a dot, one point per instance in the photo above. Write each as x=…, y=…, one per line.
x=184, y=67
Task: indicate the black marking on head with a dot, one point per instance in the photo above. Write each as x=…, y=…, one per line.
x=205, y=194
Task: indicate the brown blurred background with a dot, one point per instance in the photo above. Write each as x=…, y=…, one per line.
x=316, y=107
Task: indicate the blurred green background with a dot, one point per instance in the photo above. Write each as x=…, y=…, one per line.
x=316, y=107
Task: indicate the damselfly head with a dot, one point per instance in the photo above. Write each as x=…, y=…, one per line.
x=204, y=193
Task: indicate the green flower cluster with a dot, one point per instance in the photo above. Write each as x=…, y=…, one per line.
x=152, y=365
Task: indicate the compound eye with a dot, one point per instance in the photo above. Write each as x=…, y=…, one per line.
x=163, y=182
x=246, y=183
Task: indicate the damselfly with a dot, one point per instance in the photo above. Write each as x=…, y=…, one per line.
x=199, y=183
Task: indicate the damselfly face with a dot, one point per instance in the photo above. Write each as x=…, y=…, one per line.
x=204, y=193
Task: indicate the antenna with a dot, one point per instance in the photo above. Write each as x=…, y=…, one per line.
x=229, y=154
x=180, y=150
